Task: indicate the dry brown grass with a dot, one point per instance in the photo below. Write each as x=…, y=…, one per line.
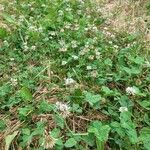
x=126, y=15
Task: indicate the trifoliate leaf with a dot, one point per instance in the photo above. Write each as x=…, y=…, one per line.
x=70, y=143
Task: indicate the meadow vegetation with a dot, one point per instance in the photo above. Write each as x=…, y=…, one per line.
x=75, y=75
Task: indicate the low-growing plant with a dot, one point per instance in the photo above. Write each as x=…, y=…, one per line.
x=69, y=81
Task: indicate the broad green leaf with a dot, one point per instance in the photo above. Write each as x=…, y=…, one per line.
x=23, y=112
x=55, y=132
x=2, y=125
x=108, y=62
x=70, y=143
x=137, y=60
x=107, y=91
x=89, y=139
x=129, y=126
x=144, y=134
x=115, y=126
x=145, y=104
x=145, y=137
x=9, y=139
x=45, y=107
x=40, y=128
x=100, y=131
x=26, y=94
x=3, y=33
x=92, y=98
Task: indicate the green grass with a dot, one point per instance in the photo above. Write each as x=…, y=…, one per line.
x=69, y=82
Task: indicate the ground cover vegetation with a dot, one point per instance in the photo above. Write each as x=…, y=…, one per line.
x=74, y=74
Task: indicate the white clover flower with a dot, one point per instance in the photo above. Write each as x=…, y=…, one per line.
x=123, y=109
x=53, y=33
x=74, y=44
x=131, y=90
x=94, y=73
x=64, y=108
x=62, y=30
x=91, y=57
x=43, y=5
x=67, y=25
x=13, y=82
x=63, y=63
x=88, y=67
x=60, y=12
x=40, y=29
x=76, y=27
x=147, y=64
x=32, y=28
x=68, y=9
x=116, y=46
x=21, y=18
x=25, y=47
x=6, y=43
x=12, y=59
x=1, y=7
x=69, y=81
x=63, y=49
x=75, y=57
x=33, y=47
x=95, y=28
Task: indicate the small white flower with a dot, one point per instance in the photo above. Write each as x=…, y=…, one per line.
x=32, y=28
x=91, y=57
x=63, y=63
x=64, y=108
x=13, y=82
x=40, y=29
x=88, y=67
x=95, y=28
x=43, y=5
x=123, y=109
x=69, y=81
x=74, y=44
x=60, y=12
x=1, y=7
x=94, y=73
x=147, y=64
x=75, y=57
x=53, y=33
x=6, y=43
x=68, y=9
x=12, y=59
x=63, y=49
x=33, y=47
x=116, y=46
x=67, y=25
x=21, y=18
x=110, y=42
x=62, y=30
x=130, y=90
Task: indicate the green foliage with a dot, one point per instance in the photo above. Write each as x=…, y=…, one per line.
x=70, y=142
x=2, y=125
x=145, y=137
x=101, y=133
x=91, y=98
x=25, y=94
x=70, y=80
